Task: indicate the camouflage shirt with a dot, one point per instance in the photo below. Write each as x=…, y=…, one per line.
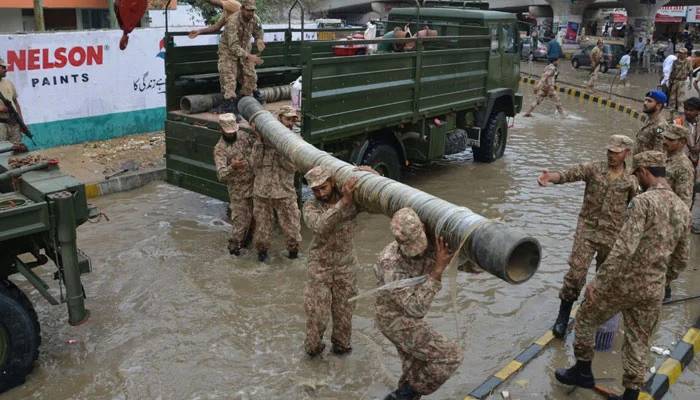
x=238, y=33
x=404, y=304
x=692, y=149
x=334, y=228
x=596, y=55
x=548, y=77
x=680, y=70
x=604, y=199
x=650, y=136
x=274, y=173
x=680, y=176
x=240, y=149
x=651, y=249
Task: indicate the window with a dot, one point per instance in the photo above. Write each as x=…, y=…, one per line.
x=508, y=39
x=494, y=39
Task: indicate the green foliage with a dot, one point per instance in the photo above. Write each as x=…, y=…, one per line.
x=267, y=10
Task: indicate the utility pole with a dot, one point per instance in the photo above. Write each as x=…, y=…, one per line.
x=39, y=15
x=112, y=14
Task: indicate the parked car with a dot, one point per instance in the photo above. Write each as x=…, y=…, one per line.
x=611, y=56
x=540, y=52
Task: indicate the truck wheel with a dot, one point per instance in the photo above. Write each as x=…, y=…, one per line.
x=19, y=336
x=493, y=139
x=456, y=142
x=384, y=159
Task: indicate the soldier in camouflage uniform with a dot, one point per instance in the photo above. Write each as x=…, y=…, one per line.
x=428, y=358
x=680, y=71
x=545, y=88
x=331, y=217
x=233, y=157
x=650, y=251
x=275, y=193
x=608, y=190
x=236, y=62
x=679, y=169
x=650, y=137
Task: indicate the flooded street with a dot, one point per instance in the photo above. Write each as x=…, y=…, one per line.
x=175, y=317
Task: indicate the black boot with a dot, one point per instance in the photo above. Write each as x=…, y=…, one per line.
x=226, y=106
x=339, y=350
x=562, y=322
x=258, y=96
x=317, y=351
x=579, y=375
x=630, y=394
x=293, y=254
x=234, y=249
x=404, y=392
x=262, y=255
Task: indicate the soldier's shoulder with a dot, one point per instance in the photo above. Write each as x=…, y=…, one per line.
x=389, y=254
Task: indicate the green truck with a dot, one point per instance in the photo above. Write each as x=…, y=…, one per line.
x=387, y=110
x=40, y=208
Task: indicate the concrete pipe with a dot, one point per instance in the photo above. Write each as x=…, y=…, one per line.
x=494, y=246
x=197, y=103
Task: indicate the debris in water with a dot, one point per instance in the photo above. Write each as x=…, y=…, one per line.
x=505, y=394
x=660, y=350
x=72, y=341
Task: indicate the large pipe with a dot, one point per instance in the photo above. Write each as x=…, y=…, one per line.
x=65, y=227
x=197, y=103
x=500, y=250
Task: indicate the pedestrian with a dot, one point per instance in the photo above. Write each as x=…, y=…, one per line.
x=275, y=194
x=608, y=191
x=545, y=88
x=680, y=72
x=9, y=127
x=679, y=170
x=428, y=358
x=331, y=277
x=625, y=62
x=666, y=70
x=229, y=7
x=554, y=51
x=233, y=157
x=649, y=137
x=649, y=252
x=646, y=56
x=236, y=61
x=639, y=46
x=596, y=62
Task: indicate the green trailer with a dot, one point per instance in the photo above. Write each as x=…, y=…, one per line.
x=388, y=109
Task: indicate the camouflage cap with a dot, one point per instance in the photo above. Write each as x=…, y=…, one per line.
x=287, y=111
x=682, y=50
x=248, y=4
x=649, y=159
x=228, y=123
x=2, y=62
x=317, y=176
x=675, y=132
x=618, y=143
x=409, y=232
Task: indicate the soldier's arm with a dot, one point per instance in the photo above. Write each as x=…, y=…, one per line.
x=684, y=185
x=416, y=300
x=324, y=222
x=576, y=173
x=258, y=32
x=679, y=257
x=224, y=171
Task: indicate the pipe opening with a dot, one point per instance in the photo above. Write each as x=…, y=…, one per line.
x=523, y=261
x=185, y=104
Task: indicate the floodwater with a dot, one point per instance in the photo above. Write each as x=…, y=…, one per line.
x=175, y=317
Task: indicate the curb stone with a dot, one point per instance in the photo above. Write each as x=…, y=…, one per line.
x=124, y=183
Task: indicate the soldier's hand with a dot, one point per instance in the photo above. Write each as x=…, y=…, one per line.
x=366, y=168
x=238, y=164
x=544, y=178
x=261, y=46
x=254, y=59
x=443, y=255
x=193, y=34
x=347, y=191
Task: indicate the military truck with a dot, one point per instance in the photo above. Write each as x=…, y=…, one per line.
x=40, y=208
x=387, y=110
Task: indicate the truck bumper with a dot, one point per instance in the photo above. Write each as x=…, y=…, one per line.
x=518, y=102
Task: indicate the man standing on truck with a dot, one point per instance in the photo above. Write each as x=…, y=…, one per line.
x=236, y=62
x=428, y=358
x=608, y=190
x=545, y=88
x=596, y=61
x=650, y=251
x=9, y=129
x=331, y=277
x=233, y=157
x=275, y=193
x=230, y=7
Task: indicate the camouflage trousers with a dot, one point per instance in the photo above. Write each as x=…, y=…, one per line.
x=543, y=94
x=288, y=217
x=594, y=77
x=326, y=295
x=640, y=317
x=676, y=94
x=428, y=359
x=241, y=217
x=11, y=133
x=582, y=254
x=231, y=70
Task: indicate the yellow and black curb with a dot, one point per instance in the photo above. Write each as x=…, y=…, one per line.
x=515, y=365
x=123, y=183
x=593, y=99
x=672, y=367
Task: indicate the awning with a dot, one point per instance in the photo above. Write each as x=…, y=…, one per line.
x=667, y=19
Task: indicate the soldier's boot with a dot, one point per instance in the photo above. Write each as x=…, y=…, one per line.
x=630, y=394
x=579, y=375
x=258, y=96
x=226, y=106
x=293, y=253
x=340, y=350
x=404, y=392
x=317, y=351
x=262, y=255
x=562, y=322
x=234, y=248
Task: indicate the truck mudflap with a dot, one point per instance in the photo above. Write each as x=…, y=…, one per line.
x=518, y=102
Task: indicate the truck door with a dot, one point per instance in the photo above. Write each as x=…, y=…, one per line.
x=510, y=57
x=494, y=77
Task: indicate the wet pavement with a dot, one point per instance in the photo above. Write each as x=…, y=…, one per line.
x=175, y=317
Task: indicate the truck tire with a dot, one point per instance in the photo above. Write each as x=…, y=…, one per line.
x=455, y=142
x=384, y=159
x=19, y=336
x=493, y=139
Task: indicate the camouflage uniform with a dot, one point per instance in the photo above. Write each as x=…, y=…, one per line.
x=680, y=176
x=650, y=136
x=679, y=73
x=596, y=56
x=650, y=252
x=428, y=358
x=545, y=88
x=239, y=182
x=234, y=47
x=601, y=216
x=9, y=130
x=331, y=276
x=275, y=194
